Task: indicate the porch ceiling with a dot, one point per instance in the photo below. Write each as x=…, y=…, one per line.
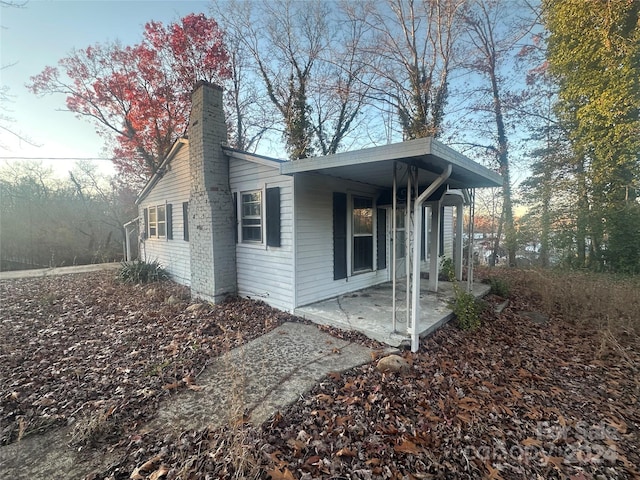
x=374, y=166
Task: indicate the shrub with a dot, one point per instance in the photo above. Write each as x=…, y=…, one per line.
x=139, y=271
x=467, y=309
x=500, y=287
x=447, y=269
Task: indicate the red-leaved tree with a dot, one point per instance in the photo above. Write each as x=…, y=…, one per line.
x=139, y=96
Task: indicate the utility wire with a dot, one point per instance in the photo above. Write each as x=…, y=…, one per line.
x=55, y=158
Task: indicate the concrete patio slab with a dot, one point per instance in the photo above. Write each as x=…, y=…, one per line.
x=259, y=378
x=369, y=311
x=255, y=380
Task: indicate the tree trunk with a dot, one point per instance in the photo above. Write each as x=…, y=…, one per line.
x=582, y=215
x=503, y=162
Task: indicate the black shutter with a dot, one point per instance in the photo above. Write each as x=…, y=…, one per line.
x=273, y=217
x=382, y=238
x=339, y=235
x=145, y=232
x=169, y=221
x=235, y=216
x=185, y=221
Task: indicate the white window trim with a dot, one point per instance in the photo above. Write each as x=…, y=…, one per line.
x=156, y=223
x=351, y=235
x=242, y=240
x=150, y=223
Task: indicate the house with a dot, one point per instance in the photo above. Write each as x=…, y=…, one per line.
x=223, y=221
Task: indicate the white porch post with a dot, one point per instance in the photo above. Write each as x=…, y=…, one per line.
x=434, y=247
x=417, y=230
x=127, y=246
x=459, y=242
x=394, y=207
x=471, y=232
x=407, y=246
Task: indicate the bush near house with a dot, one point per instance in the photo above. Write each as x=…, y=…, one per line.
x=139, y=271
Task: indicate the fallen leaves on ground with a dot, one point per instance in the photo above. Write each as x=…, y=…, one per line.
x=92, y=352
x=513, y=399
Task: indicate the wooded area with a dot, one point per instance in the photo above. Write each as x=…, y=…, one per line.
x=48, y=222
x=549, y=90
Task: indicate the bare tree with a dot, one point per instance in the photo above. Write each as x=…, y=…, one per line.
x=6, y=120
x=284, y=40
x=492, y=34
x=249, y=117
x=48, y=221
x=413, y=46
x=306, y=58
x=341, y=85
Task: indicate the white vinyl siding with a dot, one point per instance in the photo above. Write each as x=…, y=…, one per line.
x=264, y=272
x=314, y=239
x=447, y=231
x=173, y=188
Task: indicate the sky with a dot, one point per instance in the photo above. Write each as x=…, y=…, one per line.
x=41, y=33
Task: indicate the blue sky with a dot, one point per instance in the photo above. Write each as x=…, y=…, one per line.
x=45, y=31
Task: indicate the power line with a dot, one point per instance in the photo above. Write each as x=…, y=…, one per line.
x=55, y=158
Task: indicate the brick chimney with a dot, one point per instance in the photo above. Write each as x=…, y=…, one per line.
x=211, y=216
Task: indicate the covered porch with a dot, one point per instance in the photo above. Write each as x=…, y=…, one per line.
x=370, y=311
x=416, y=182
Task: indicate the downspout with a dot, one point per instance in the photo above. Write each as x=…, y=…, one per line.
x=415, y=294
x=407, y=243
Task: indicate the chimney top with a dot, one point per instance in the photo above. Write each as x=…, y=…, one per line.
x=204, y=83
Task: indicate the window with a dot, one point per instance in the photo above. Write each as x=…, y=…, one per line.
x=153, y=223
x=362, y=234
x=157, y=222
x=252, y=217
x=162, y=221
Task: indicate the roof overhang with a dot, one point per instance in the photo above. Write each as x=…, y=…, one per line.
x=252, y=157
x=374, y=166
x=162, y=169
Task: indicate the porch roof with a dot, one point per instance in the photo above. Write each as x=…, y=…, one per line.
x=374, y=165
